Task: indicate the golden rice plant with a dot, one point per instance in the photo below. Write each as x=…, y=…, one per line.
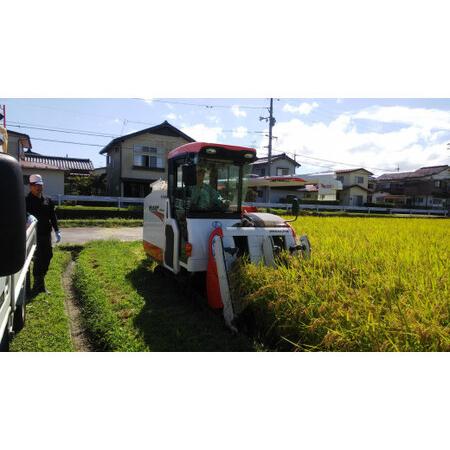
x=372, y=284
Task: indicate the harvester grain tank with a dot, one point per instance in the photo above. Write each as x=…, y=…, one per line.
x=195, y=223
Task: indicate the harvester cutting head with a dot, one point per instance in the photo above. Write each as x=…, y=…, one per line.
x=195, y=223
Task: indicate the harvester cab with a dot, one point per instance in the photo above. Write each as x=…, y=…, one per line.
x=195, y=223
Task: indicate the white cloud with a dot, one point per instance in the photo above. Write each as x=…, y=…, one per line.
x=202, y=133
x=240, y=132
x=410, y=147
x=237, y=112
x=213, y=119
x=171, y=116
x=428, y=119
x=303, y=109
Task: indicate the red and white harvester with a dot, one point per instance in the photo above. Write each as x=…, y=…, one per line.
x=195, y=224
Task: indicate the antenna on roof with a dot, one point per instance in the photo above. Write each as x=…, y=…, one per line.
x=398, y=168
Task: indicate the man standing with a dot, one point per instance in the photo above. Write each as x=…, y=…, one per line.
x=44, y=210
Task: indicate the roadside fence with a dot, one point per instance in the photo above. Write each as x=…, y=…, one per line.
x=120, y=201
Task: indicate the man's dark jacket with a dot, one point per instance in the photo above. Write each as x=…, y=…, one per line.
x=44, y=210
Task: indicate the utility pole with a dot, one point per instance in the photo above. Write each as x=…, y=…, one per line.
x=272, y=122
x=3, y=115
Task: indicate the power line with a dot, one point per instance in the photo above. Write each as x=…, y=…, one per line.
x=60, y=130
x=278, y=152
x=121, y=119
x=71, y=111
x=201, y=105
x=66, y=142
x=93, y=133
x=335, y=162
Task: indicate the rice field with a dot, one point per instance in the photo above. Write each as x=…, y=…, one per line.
x=372, y=284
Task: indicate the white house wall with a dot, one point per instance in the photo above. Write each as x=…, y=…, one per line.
x=53, y=180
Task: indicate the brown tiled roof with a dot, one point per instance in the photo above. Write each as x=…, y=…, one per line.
x=394, y=176
x=427, y=171
x=69, y=164
x=422, y=172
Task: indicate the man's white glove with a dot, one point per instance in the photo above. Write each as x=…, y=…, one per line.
x=58, y=236
x=31, y=219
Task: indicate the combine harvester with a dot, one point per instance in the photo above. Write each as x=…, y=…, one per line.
x=195, y=224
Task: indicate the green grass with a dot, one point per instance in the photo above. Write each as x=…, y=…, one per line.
x=372, y=284
x=105, y=223
x=127, y=305
x=90, y=208
x=47, y=326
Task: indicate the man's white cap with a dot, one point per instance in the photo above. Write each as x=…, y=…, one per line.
x=36, y=179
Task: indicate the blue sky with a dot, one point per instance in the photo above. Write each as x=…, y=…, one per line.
x=323, y=134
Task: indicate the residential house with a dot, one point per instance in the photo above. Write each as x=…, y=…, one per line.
x=17, y=143
x=55, y=170
x=321, y=187
x=136, y=160
x=280, y=166
x=315, y=187
x=355, y=186
x=427, y=187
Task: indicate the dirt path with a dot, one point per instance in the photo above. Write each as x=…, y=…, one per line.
x=81, y=235
x=80, y=341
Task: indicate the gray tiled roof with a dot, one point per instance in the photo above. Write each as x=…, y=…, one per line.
x=72, y=164
x=265, y=159
x=354, y=170
x=165, y=129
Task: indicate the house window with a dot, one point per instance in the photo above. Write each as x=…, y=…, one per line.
x=340, y=178
x=359, y=180
x=282, y=171
x=149, y=157
x=437, y=184
x=109, y=161
x=437, y=201
x=419, y=200
x=262, y=172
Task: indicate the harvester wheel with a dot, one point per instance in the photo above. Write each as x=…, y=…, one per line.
x=306, y=247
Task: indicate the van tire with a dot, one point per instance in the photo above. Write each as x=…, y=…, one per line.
x=4, y=342
x=19, y=317
x=27, y=285
x=21, y=311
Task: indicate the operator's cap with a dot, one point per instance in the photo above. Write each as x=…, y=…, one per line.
x=36, y=179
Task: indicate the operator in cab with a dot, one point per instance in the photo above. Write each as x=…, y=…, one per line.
x=203, y=196
x=43, y=209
